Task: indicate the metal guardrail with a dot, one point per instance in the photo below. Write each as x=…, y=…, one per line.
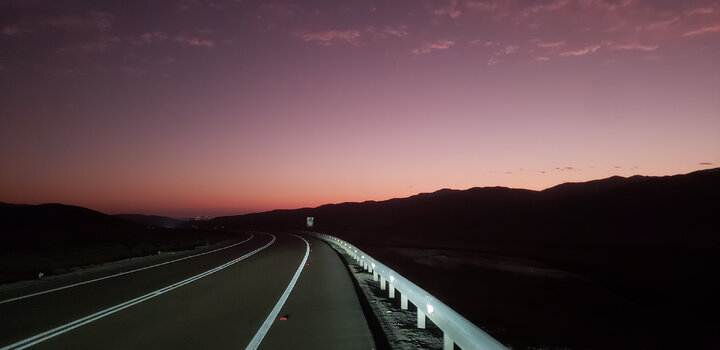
x=456, y=328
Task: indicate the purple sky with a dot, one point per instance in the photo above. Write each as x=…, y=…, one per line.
x=222, y=107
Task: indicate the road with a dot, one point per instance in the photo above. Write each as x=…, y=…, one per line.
x=231, y=298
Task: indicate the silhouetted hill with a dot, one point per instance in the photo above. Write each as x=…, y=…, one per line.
x=637, y=256
x=54, y=237
x=152, y=220
x=617, y=209
x=51, y=224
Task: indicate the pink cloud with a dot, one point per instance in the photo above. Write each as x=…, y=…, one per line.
x=701, y=11
x=582, y=51
x=548, y=7
x=15, y=30
x=663, y=24
x=275, y=11
x=451, y=10
x=193, y=41
x=705, y=163
x=551, y=44
x=508, y=50
x=11, y=31
x=542, y=58
x=435, y=45
x=703, y=30
x=641, y=47
x=607, y=5
x=400, y=31
x=93, y=19
x=330, y=37
x=153, y=37
x=88, y=47
x=482, y=5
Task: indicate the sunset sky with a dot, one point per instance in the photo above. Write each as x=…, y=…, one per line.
x=219, y=107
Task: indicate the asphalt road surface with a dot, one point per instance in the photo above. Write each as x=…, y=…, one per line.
x=277, y=291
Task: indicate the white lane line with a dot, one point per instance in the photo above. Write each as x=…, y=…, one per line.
x=258, y=338
x=119, y=274
x=111, y=310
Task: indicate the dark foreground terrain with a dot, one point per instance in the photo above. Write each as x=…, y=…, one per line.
x=56, y=238
x=613, y=263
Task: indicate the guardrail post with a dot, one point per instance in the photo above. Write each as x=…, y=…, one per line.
x=447, y=342
x=391, y=291
x=464, y=333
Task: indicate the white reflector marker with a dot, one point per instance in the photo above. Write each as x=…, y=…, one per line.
x=260, y=335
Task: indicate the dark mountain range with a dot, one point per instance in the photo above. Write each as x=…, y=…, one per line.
x=152, y=220
x=638, y=209
x=637, y=255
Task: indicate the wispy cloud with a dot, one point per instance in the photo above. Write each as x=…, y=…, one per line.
x=153, y=37
x=542, y=58
x=14, y=30
x=275, y=11
x=385, y=32
x=484, y=5
x=451, y=10
x=705, y=163
x=508, y=50
x=700, y=11
x=703, y=30
x=194, y=41
x=583, y=51
x=551, y=44
x=90, y=47
x=635, y=46
x=551, y=6
x=607, y=5
x=331, y=37
x=99, y=20
x=435, y=45
x=662, y=24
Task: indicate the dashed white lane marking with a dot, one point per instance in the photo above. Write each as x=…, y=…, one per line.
x=111, y=310
x=258, y=338
x=119, y=274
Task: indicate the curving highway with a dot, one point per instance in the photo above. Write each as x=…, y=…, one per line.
x=271, y=291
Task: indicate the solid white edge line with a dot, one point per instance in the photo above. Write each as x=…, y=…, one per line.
x=113, y=309
x=119, y=274
x=258, y=338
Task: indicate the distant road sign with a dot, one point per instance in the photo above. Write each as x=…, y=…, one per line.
x=310, y=220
